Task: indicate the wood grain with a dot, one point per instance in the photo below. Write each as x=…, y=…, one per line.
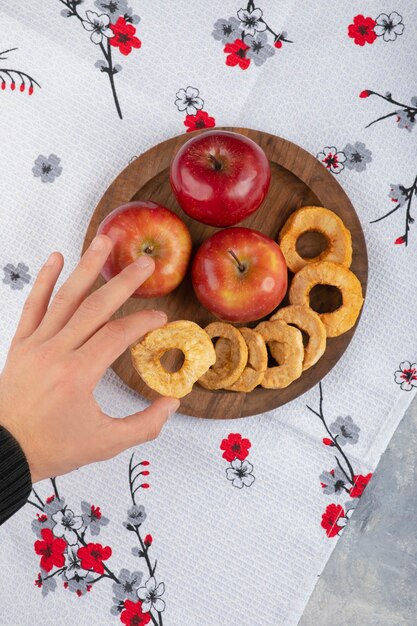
x=298, y=179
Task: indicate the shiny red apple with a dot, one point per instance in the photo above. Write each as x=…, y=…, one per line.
x=139, y=228
x=220, y=177
x=239, y=274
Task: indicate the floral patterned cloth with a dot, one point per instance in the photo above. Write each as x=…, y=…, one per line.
x=161, y=534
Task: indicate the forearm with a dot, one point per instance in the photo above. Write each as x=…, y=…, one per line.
x=15, y=479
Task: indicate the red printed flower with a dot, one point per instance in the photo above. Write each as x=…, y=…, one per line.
x=38, y=581
x=200, y=120
x=365, y=93
x=50, y=499
x=362, y=30
x=330, y=518
x=360, y=483
x=235, y=447
x=236, y=52
x=92, y=556
x=124, y=38
x=95, y=511
x=400, y=240
x=148, y=540
x=133, y=614
x=51, y=550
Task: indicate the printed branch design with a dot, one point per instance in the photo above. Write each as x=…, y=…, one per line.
x=342, y=479
x=12, y=76
x=106, y=34
x=66, y=554
x=400, y=194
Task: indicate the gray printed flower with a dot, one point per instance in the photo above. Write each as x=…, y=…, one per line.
x=251, y=21
x=46, y=584
x=344, y=430
x=41, y=522
x=389, y=26
x=48, y=168
x=66, y=523
x=333, y=481
x=357, y=156
x=80, y=584
x=98, y=25
x=113, y=8
x=398, y=194
x=150, y=595
x=260, y=49
x=73, y=563
x=131, y=17
x=55, y=504
x=136, y=515
x=93, y=518
x=227, y=30
x=102, y=65
x=118, y=606
x=16, y=276
x=240, y=473
x=128, y=586
x=188, y=100
x=406, y=118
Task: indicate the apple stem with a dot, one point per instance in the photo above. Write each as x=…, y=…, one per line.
x=217, y=164
x=239, y=264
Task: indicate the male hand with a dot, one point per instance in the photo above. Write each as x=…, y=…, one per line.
x=58, y=355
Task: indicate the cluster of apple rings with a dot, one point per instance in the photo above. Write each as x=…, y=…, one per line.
x=331, y=267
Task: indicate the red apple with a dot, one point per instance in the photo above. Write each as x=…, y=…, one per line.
x=139, y=228
x=239, y=274
x=219, y=177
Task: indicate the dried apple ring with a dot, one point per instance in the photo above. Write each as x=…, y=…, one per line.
x=257, y=363
x=289, y=351
x=308, y=321
x=314, y=218
x=230, y=370
x=325, y=273
x=186, y=336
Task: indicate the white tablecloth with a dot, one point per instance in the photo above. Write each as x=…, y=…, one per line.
x=229, y=549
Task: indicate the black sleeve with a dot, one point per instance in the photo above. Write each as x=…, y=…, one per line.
x=15, y=479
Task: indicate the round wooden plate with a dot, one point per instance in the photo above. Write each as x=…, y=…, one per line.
x=298, y=179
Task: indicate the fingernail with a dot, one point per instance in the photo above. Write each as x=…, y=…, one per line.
x=143, y=262
x=174, y=407
x=97, y=244
x=51, y=260
x=161, y=314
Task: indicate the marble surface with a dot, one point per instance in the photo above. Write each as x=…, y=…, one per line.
x=371, y=577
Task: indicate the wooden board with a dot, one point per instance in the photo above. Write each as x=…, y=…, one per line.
x=298, y=179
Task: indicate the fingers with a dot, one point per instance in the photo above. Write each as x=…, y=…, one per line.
x=36, y=304
x=100, y=305
x=115, y=337
x=139, y=427
x=75, y=289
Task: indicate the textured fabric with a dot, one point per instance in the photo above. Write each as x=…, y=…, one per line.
x=240, y=527
x=15, y=480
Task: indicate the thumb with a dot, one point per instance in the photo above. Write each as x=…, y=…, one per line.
x=142, y=426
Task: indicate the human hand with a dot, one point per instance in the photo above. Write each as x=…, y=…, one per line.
x=57, y=356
